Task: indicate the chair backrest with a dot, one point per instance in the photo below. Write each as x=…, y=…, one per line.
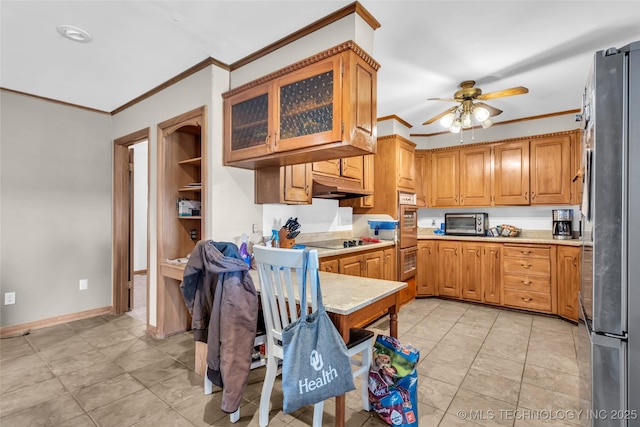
x=280, y=275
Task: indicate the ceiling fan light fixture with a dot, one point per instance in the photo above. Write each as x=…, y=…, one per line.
x=447, y=120
x=487, y=123
x=456, y=126
x=74, y=33
x=481, y=114
x=467, y=122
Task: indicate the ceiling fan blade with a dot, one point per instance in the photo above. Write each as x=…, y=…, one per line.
x=443, y=99
x=493, y=111
x=519, y=90
x=439, y=116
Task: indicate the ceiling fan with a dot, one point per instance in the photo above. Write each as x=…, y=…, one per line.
x=460, y=116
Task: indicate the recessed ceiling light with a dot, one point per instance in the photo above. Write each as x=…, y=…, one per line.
x=74, y=33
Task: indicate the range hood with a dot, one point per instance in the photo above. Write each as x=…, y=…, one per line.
x=336, y=188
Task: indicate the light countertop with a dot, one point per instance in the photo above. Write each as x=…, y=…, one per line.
x=527, y=236
x=342, y=294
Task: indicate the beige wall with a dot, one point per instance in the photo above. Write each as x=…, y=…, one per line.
x=56, y=208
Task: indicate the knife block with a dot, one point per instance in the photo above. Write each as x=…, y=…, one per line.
x=284, y=242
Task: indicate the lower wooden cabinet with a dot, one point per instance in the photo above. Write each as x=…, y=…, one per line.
x=389, y=270
x=426, y=277
x=471, y=271
x=363, y=265
x=568, y=281
x=491, y=273
x=535, y=277
x=449, y=268
x=528, y=282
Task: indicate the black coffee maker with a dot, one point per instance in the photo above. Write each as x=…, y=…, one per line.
x=562, y=219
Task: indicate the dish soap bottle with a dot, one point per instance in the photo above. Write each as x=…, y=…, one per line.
x=275, y=239
x=244, y=253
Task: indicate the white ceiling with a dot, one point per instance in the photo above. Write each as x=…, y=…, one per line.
x=425, y=48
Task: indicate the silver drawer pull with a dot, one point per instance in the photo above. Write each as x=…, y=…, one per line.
x=527, y=299
x=526, y=265
x=526, y=282
x=526, y=252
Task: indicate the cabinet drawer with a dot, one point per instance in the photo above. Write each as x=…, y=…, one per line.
x=527, y=266
x=526, y=251
x=527, y=283
x=537, y=301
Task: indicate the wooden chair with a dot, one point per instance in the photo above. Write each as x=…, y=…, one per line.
x=276, y=268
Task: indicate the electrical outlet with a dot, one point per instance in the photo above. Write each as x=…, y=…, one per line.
x=84, y=284
x=9, y=298
x=255, y=228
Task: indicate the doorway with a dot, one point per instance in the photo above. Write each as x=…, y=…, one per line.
x=130, y=189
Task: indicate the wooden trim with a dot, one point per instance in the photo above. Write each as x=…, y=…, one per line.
x=140, y=271
x=24, y=328
x=394, y=117
x=348, y=45
x=311, y=28
x=55, y=101
x=524, y=119
x=502, y=141
x=120, y=237
x=396, y=136
x=183, y=75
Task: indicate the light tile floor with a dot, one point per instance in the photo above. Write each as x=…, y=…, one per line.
x=479, y=366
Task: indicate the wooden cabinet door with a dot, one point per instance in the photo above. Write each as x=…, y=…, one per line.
x=550, y=164
x=475, y=176
x=328, y=167
x=330, y=266
x=511, y=173
x=445, y=185
x=421, y=177
x=389, y=270
x=351, y=265
x=352, y=167
x=449, y=269
x=307, y=107
x=426, y=277
x=248, y=123
x=470, y=271
x=576, y=168
x=568, y=271
x=297, y=184
x=491, y=275
x=373, y=263
x=406, y=165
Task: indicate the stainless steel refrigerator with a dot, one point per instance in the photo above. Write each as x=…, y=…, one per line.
x=609, y=328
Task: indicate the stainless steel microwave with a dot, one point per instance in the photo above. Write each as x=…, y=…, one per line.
x=466, y=224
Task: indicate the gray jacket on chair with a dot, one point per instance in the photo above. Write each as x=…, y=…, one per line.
x=223, y=302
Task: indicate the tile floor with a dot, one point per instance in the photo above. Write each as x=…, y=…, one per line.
x=508, y=366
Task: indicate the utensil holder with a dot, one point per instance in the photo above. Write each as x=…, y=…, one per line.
x=284, y=242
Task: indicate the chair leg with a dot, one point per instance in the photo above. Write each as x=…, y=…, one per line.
x=235, y=416
x=366, y=361
x=318, y=409
x=208, y=385
x=267, y=388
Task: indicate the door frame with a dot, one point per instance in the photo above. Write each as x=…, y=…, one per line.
x=122, y=217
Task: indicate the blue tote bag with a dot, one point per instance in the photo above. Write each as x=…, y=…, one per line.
x=316, y=365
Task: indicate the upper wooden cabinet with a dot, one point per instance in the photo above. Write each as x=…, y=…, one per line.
x=461, y=177
x=550, y=170
x=289, y=185
x=421, y=179
x=321, y=108
x=511, y=173
x=394, y=170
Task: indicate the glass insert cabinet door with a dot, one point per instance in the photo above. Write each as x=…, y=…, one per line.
x=248, y=126
x=301, y=109
x=309, y=108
